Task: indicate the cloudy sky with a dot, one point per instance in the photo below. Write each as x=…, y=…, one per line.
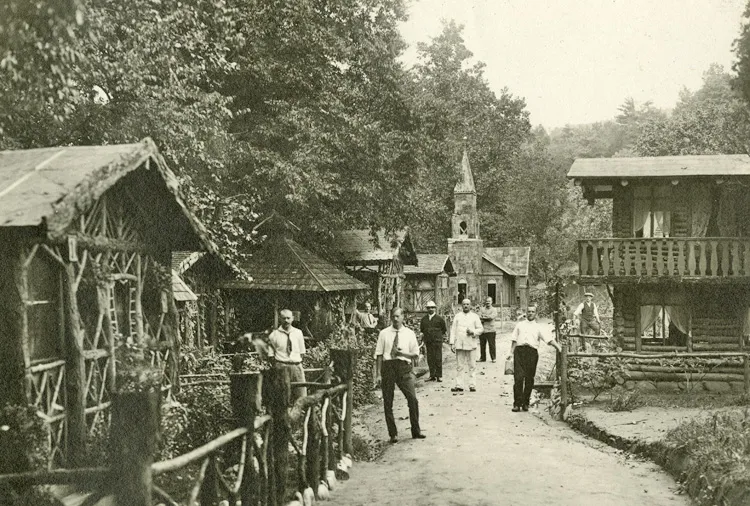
x=575, y=61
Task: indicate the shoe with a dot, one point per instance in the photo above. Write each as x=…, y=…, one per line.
x=418, y=436
x=431, y=379
x=482, y=360
x=457, y=389
x=493, y=360
x=516, y=409
x=394, y=440
x=439, y=380
x=472, y=389
x=525, y=407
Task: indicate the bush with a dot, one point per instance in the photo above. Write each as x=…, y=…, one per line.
x=624, y=400
x=717, y=451
x=596, y=375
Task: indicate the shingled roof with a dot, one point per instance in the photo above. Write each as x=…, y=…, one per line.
x=661, y=166
x=430, y=263
x=512, y=259
x=359, y=246
x=180, y=290
x=282, y=264
x=48, y=188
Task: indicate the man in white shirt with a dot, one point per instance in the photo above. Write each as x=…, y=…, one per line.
x=524, y=343
x=465, y=330
x=364, y=319
x=587, y=315
x=287, y=348
x=396, y=348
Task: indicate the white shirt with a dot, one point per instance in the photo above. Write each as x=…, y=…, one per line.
x=279, y=339
x=407, y=343
x=579, y=310
x=461, y=323
x=529, y=333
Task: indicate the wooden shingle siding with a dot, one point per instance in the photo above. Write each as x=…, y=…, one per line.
x=622, y=212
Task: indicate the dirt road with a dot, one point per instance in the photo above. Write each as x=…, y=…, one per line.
x=478, y=452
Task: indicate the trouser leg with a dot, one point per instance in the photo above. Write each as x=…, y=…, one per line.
x=531, y=359
x=387, y=386
x=490, y=338
x=435, y=359
x=472, y=365
x=406, y=383
x=482, y=347
x=460, y=366
x=519, y=374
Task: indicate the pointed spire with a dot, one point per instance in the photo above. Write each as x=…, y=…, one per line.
x=466, y=183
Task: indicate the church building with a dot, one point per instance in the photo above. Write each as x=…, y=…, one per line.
x=469, y=269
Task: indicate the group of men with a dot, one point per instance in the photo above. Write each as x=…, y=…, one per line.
x=397, y=347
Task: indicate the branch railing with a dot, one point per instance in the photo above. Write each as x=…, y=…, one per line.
x=255, y=467
x=722, y=257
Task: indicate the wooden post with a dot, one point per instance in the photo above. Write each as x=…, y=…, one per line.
x=245, y=397
x=75, y=371
x=564, y=394
x=212, y=317
x=276, y=395
x=314, y=437
x=134, y=430
x=556, y=316
x=637, y=325
x=344, y=362
x=746, y=373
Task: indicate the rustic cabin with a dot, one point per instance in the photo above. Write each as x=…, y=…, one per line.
x=428, y=282
x=86, y=234
x=679, y=256
x=378, y=260
x=288, y=276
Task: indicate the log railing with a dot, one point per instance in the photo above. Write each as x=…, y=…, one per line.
x=248, y=465
x=676, y=257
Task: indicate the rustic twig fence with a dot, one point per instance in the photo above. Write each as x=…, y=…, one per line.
x=267, y=426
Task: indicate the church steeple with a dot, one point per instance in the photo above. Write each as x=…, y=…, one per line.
x=465, y=219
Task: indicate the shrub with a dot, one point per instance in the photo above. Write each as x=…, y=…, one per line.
x=624, y=400
x=596, y=375
x=717, y=451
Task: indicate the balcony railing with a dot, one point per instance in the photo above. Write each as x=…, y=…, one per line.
x=673, y=257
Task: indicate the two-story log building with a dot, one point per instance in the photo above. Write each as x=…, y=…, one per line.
x=679, y=256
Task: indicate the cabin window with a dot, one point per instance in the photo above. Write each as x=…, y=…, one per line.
x=463, y=228
x=462, y=290
x=45, y=325
x=652, y=213
x=664, y=325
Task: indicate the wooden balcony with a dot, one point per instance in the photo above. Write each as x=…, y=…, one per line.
x=664, y=259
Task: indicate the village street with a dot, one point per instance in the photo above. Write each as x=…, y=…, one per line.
x=478, y=452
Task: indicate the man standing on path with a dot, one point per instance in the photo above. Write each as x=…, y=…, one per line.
x=588, y=315
x=524, y=343
x=396, y=348
x=433, y=331
x=464, y=331
x=487, y=315
x=287, y=348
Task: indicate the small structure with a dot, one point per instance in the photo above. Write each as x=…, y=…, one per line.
x=86, y=235
x=471, y=269
x=286, y=275
x=679, y=255
x=378, y=260
x=428, y=281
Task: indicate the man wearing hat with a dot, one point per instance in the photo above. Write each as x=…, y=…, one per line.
x=588, y=315
x=433, y=331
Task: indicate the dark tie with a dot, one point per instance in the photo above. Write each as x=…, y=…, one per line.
x=289, y=344
x=394, y=348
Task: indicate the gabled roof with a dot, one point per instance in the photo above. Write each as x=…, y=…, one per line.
x=183, y=260
x=359, y=247
x=512, y=259
x=180, y=290
x=49, y=188
x=430, y=263
x=661, y=166
x=282, y=264
x=466, y=183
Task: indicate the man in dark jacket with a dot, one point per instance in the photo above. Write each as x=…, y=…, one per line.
x=433, y=331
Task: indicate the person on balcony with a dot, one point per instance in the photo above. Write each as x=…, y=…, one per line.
x=587, y=317
x=433, y=331
x=463, y=340
x=395, y=350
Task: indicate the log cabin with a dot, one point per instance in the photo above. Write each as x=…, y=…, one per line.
x=678, y=260
x=86, y=234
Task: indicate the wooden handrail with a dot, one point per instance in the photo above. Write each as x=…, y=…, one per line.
x=58, y=476
x=715, y=354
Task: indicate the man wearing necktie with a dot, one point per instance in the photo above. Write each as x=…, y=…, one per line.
x=287, y=348
x=396, y=348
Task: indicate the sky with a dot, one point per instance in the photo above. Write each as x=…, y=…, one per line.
x=576, y=61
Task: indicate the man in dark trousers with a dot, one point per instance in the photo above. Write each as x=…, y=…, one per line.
x=433, y=331
x=588, y=315
x=524, y=343
x=396, y=348
x=487, y=315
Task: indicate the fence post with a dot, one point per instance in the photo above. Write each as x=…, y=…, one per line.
x=276, y=395
x=746, y=373
x=564, y=394
x=244, y=390
x=344, y=362
x=134, y=430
